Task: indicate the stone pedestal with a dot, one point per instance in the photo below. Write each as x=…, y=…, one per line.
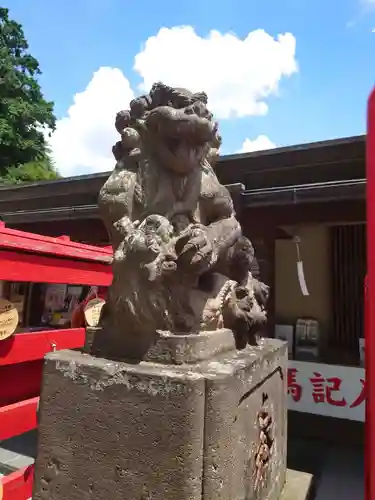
x=191, y=423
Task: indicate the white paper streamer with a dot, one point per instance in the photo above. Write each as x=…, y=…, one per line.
x=301, y=278
x=300, y=272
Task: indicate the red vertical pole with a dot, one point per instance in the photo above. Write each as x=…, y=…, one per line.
x=370, y=302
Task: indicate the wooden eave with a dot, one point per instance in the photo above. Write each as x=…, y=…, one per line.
x=310, y=172
x=332, y=191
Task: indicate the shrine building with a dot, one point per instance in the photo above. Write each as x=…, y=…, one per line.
x=301, y=203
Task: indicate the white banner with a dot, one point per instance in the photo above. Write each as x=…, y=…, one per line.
x=329, y=390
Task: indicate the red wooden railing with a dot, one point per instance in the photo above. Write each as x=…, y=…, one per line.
x=34, y=258
x=370, y=301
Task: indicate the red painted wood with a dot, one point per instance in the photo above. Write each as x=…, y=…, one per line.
x=370, y=326
x=19, y=484
x=35, y=258
x=367, y=409
x=63, y=247
x=31, y=346
x=18, y=418
x=23, y=381
x=16, y=266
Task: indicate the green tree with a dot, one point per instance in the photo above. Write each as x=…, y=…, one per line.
x=24, y=112
x=30, y=172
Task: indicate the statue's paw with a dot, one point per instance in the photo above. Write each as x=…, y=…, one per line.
x=197, y=253
x=125, y=226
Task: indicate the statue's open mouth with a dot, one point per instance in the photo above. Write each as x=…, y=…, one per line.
x=186, y=153
x=185, y=137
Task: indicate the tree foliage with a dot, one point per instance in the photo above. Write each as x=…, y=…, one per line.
x=30, y=172
x=24, y=112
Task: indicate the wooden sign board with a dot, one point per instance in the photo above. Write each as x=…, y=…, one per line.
x=93, y=310
x=8, y=319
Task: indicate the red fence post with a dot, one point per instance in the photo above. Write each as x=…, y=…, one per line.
x=370, y=302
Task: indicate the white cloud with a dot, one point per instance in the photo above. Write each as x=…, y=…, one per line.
x=237, y=74
x=367, y=6
x=260, y=143
x=83, y=140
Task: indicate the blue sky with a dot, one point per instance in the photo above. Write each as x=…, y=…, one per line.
x=317, y=93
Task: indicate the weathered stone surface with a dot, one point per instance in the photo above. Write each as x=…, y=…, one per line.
x=142, y=414
x=180, y=349
x=180, y=260
x=176, y=349
x=238, y=387
x=162, y=431
x=110, y=430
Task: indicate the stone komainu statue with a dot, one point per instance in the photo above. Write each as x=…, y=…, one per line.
x=180, y=263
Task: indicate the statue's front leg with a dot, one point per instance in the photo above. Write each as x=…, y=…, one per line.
x=196, y=251
x=200, y=248
x=223, y=234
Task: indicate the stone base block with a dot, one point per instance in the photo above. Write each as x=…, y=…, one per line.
x=211, y=430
